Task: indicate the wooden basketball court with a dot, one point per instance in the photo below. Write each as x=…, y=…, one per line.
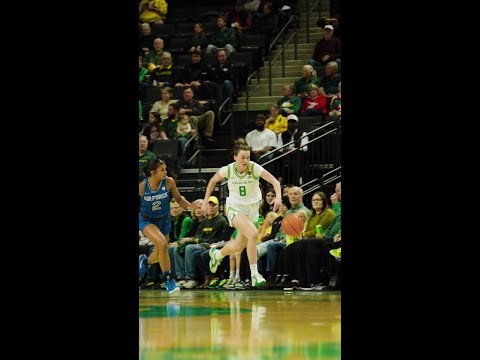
x=233, y=324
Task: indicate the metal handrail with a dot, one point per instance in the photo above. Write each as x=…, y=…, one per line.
x=247, y=102
x=282, y=52
x=308, y=16
x=219, y=114
x=298, y=149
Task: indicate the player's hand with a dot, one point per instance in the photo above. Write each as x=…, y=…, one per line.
x=334, y=198
x=277, y=204
x=205, y=208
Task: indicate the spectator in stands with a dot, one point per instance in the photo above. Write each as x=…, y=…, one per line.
x=181, y=225
x=208, y=230
x=295, y=197
x=223, y=38
x=261, y=139
x=222, y=74
x=327, y=49
x=328, y=85
x=166, y=75
x=267, y=202
x=142, y=79
x=315, y=104
x=309, y=76
x=144, y=156
x=168, y=130
x=276, y=121
x=334, y=21
x=292, y=136
x=151, y=129
x=336, y=103
x=195, y=75
x=161, y=106
x=183, y=127
x=321, y=213
x=154, y=57
x=146, y=39
x=318, y=264
x=293, y=162
x=152, y=11
x=203, y=120
x=289, y=103
x=266, y=23
x=199, y=39
x=197, y=217
x=239, y=19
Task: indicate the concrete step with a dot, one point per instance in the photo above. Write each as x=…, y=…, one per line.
x=276, y=81
x=253, y=107
x=277, y=72
x=301, y=45
x=266, y=100
x=289, y=53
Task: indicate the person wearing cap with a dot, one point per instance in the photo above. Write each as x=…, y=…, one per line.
x=293, y=163
x=327, y=49
x=289, y=103
x=208, y=231
x=292, y=136
x=242, y=206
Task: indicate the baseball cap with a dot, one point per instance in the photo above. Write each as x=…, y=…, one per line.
x=292, y=117
x=328, y=27
x=213, y=199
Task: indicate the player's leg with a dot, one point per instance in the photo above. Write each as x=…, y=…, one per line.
x=161, y=249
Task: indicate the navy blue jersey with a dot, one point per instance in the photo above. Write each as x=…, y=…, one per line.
x=156, y=204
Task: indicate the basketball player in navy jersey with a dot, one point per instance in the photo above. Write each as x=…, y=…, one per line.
x=154, y=217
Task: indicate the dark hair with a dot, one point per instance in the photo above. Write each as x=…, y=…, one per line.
x=324, y=199
x=175, y=106
x=157, y=116
x=151, y=165
x=240, y=144
x=286, y=202
x=265, y=207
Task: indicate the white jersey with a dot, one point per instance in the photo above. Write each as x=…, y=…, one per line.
x=243, y=189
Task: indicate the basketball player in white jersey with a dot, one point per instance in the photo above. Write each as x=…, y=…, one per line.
x=242, y=206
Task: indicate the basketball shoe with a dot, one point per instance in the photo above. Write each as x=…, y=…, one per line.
x=214, y=262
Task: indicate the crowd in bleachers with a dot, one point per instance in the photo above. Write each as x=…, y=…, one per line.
x=191, y=65
x=303, y=262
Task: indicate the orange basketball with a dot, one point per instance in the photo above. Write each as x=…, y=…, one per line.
x=292, y=225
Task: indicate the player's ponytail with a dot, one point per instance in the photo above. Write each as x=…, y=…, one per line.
x=240, y=144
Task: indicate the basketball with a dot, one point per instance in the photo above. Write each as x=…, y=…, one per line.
x=292, y=225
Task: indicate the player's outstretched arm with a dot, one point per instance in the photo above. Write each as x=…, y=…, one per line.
x=276, y=185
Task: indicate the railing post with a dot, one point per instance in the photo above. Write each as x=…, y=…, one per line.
x=308, y=21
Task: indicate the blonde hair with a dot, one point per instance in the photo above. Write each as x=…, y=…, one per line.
x=192, y=213
x=273, y=213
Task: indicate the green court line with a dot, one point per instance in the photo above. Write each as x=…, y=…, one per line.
x=174, y=310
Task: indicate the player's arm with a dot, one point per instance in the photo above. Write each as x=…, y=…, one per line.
x=211, y=185
x=172, y=187
x=276, y=185
x=141, y=188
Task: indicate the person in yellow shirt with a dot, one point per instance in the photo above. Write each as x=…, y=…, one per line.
x=152, y=11
x=276, y=122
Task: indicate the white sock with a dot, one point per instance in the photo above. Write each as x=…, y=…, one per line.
x=253, y=269
x=218, y=255
x=237, y=274
x=232, y=274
